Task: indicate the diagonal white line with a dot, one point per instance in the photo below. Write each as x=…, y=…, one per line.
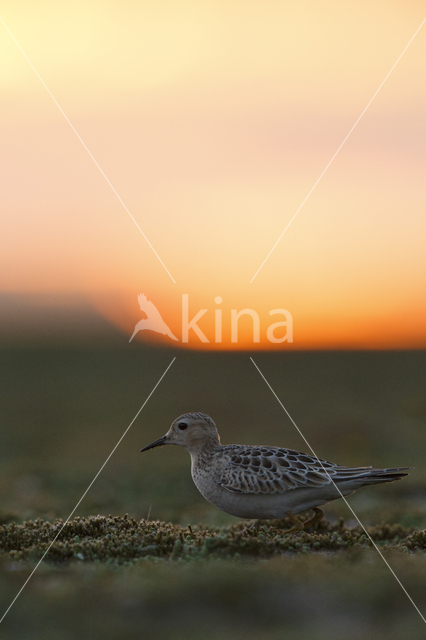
x=347, y=136
x=343, y=497
x=84, y=145
x=78, y=503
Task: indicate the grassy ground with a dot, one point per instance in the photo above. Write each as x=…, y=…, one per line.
x=62, y=411
x=106, y=576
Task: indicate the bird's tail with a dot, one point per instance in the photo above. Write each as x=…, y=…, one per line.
x=355, y=477
x=377, y=476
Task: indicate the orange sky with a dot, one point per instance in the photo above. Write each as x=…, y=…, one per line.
x=213, y=120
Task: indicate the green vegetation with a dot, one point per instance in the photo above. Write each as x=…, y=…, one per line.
x=116, y=577
x=121, y=540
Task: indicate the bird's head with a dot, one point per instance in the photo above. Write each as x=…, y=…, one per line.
x=193, y=431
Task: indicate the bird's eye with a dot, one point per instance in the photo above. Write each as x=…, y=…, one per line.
x=182, y=425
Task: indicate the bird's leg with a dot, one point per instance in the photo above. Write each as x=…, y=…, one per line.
x=298, y=524
x=319, y=514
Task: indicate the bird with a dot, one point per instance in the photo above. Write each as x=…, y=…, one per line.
x=265, y=482
x=154, y=321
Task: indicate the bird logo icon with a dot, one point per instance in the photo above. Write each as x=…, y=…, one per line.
x=153, y=321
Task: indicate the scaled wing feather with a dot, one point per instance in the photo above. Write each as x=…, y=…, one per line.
x=273, y=470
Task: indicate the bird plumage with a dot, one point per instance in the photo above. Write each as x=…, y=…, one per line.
x=259, y=481
x=261, y=469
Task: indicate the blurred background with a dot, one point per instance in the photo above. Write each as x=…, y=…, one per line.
x=212, y=120
x=64, y=408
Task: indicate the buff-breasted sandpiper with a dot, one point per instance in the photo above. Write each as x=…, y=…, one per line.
x=262, y=481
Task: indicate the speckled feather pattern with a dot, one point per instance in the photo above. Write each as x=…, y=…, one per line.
x=269, y=470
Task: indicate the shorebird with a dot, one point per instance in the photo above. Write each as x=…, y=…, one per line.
x=154, y=321
x=262, y=481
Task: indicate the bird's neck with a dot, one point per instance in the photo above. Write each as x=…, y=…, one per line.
x=204, y=449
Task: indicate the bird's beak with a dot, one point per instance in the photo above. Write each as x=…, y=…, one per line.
x=157, y=443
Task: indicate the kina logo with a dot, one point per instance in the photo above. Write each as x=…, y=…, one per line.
x=154, y=322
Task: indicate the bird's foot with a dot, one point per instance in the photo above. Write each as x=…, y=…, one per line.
x=298, y=524
x=319, y=514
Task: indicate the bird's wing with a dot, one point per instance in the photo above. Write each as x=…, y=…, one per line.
x=275, y=470
x=149, y=308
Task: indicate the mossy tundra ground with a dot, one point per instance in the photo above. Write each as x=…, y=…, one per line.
x=116, y=577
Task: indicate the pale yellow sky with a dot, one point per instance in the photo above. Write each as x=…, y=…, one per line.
x=213, y=120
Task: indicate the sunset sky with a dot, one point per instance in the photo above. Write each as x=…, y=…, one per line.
x=212, y=121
